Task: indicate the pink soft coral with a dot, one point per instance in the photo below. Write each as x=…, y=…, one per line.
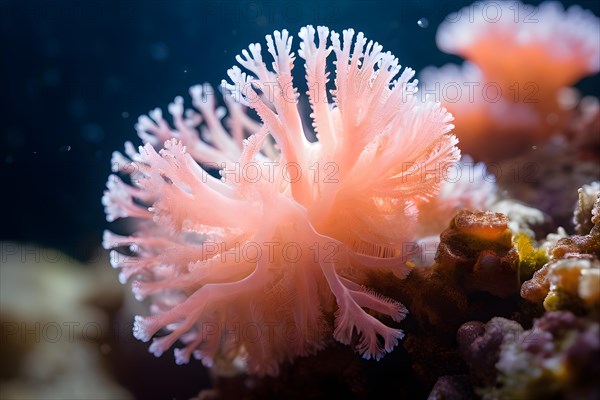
x=512, y=92
x=249, y=267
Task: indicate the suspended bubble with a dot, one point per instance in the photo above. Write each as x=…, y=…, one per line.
x=423, y=23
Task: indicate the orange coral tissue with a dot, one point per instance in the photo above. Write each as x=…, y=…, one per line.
x=256, y=265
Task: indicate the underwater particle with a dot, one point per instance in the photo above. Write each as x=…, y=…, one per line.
x=423, y=23
x=269, y=245
x=9, y=159
x=64, y=149
x=125, y=115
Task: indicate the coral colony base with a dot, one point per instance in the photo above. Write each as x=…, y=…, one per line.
x=282, y=243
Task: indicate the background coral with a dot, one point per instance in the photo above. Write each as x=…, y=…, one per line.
x=571, y=280
x=513, y=93
x=545, y=361
x=54, y=325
